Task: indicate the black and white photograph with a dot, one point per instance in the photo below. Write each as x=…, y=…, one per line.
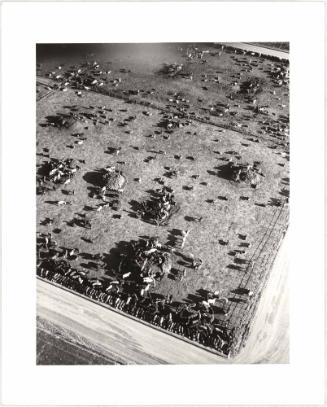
x=162, y=203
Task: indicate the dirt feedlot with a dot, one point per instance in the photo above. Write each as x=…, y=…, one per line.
x=163, y=181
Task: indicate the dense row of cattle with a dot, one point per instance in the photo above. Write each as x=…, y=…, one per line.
x=188, y=320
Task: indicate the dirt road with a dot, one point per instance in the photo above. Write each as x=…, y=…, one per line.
x=114, y=338
x=255, y=48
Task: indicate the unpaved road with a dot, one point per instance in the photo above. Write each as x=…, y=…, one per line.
x=255, y=48
x=108, y=337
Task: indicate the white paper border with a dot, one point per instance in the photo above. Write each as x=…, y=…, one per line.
x=25, y=24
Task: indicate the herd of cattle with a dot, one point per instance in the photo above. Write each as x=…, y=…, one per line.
x=129, y=293
x=149, y=261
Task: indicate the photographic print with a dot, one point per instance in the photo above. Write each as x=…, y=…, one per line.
x=162, y=203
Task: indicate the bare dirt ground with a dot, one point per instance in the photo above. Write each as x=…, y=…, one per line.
x=73, y=331
x=148, y=152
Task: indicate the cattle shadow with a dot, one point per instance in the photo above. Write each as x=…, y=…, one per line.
x=60, y=120
x=174, y=274
x=200, y=295
x=119, y=259
x=284, y=192
x=192, y=298
x=88, y=208
x=135, y=208
x=235, y=267
x=285, y=181
x=237, y=260
x=95, y=178
x=275, y=202
x=111, y=150
x=44, y=169
x=86, y=256
x=240, y=291
x=86, y=240
x=236, y=300
x=203, y=293
x=174, y=236
x=225, y=171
